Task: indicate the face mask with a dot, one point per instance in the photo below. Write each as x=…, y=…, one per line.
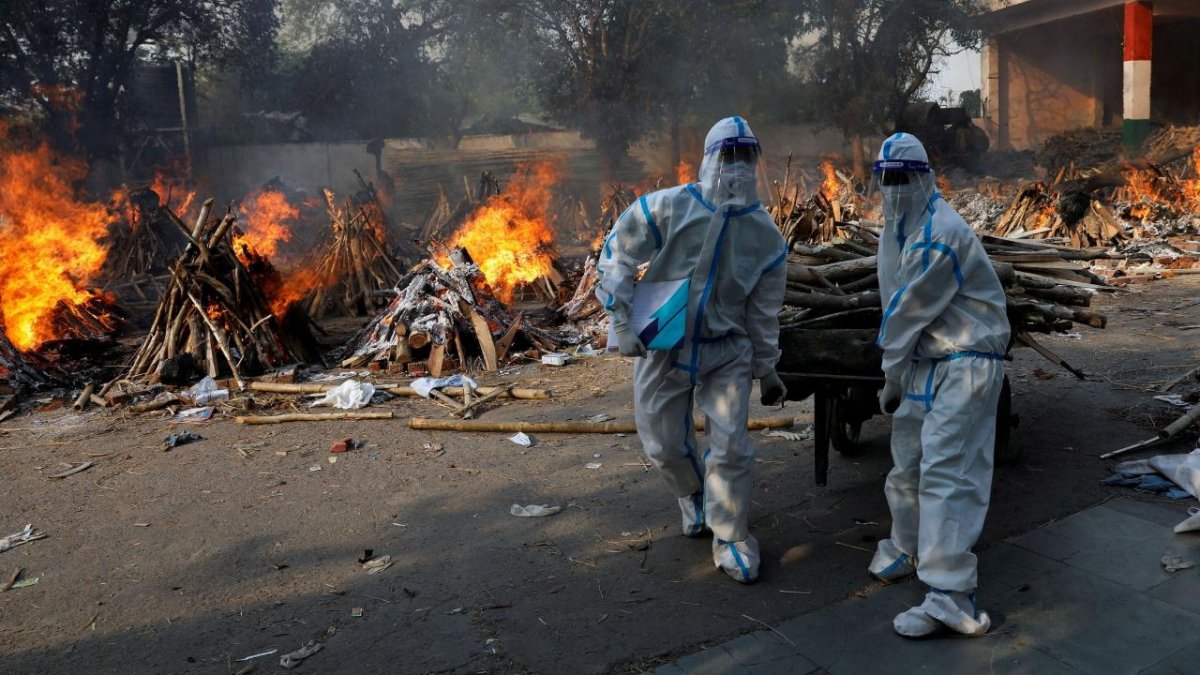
x=736, y=180
x=896, y=200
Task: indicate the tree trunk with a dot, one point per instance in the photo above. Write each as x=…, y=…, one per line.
x=859, y=158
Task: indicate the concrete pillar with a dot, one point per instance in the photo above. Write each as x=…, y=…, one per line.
x=994, y=111
x=1139, y=34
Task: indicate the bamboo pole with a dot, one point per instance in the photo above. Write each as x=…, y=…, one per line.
x=424, y=423
x=398, y=390
x=315, y=417
x=84, y=398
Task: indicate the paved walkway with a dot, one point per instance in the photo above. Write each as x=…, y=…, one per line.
x=1086, y=594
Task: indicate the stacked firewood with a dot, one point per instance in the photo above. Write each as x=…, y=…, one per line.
x=148, y=243
x=17, y=370
x=213, y=317
x=353, y=265
x=443, y=318
x=835, y=287
x=805, y=218
x=438, y=225
x=1040, y=211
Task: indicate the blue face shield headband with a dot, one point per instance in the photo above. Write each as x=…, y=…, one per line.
x=913, y=165
x=738, y=147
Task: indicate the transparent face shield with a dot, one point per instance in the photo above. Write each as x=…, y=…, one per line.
x=902, y=189
x=733, y=172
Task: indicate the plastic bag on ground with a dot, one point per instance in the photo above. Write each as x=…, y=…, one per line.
x=207, y=391
x=349, y=395
x=424, y=385
x=534, y=510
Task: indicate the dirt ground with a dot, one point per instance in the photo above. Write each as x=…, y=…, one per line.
x=186, y=561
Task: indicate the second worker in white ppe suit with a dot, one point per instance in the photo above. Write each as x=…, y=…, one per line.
x=944, y=335
x=704, y=326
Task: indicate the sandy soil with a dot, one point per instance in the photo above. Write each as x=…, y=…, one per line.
x=185, y=561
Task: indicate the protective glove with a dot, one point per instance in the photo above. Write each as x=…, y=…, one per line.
x=628, y=341
x=773, y=391
x=889, y=398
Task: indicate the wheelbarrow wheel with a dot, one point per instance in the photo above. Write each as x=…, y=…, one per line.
x=1007, y=449
x=845, y=428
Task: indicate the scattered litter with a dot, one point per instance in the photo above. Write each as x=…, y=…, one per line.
x=76, y=468
x=620, y=435
x=207, y=391
x=789, y=435
x=602, y=417
x=17, y=538
x=424, y=385
x=377, y=565
x=534, y=510
x=356, y=612
x=1174, y=563
x=1174, y=399
x=255, y=656
x=859, y=521
x=25, y=583
x=556, y=359
x=1176, y=475
x=593, y=465
x=457, y=610
x=1191, y=524
x=596, y=455
x=333, y=459
x=520, y=438
x=344, y=445
x=586, y=350
x=293, y=659
x=141, y=524
x=195, y=414
x=349, y=395
x=181, y=438
x=314, y=468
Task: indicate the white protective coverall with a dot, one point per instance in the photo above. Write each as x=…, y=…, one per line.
x=944, y=335
x=716, y=236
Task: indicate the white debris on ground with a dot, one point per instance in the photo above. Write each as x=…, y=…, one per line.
x=981, y=211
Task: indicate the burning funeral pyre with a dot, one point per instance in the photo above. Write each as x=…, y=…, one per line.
x=214, y=318
x=454, y=308
x=53, y=247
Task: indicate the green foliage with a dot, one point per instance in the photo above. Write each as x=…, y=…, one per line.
x=869, y=58
x=972, y=100
x=85, y=52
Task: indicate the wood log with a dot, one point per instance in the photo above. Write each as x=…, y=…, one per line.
x=315, y=417
x=85, y=397
x=835, y=352
x=835, y=303
x=426, y=424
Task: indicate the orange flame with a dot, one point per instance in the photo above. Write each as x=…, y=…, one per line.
x=267, y=216
x=172, y=193
x=684, y=172
x=1191, y=187
x=831, y=186
x=50, y=241
x=509, y=237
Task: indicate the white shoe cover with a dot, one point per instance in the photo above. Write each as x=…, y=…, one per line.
x=739, y=559
x=1192, y=524
x=890, y=564
x=693, y=515
x=953, y=610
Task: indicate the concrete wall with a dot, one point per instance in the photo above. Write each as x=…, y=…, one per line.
x=234, y=170
x=1050, y=78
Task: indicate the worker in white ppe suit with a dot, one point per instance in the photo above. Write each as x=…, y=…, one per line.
x=944, y=335
x=703, y=325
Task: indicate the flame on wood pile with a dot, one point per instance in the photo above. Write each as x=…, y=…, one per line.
x=510, y=237
x=51, y=240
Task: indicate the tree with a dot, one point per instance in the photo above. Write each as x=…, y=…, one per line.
x=869, y=58
x=366, y=70
x=57, y=51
